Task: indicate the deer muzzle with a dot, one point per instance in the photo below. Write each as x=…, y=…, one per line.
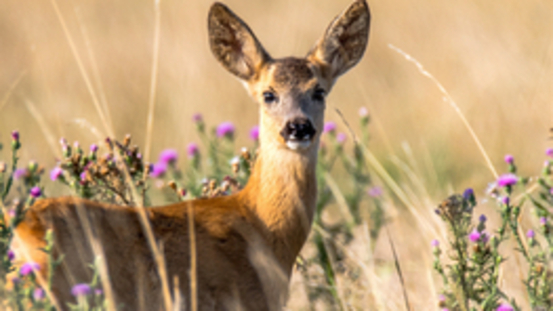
x=298, y=133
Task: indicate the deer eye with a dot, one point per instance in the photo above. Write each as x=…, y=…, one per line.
x=269, y=97
x=319, y=95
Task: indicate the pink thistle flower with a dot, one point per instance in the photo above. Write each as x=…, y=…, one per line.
x=474, y=236
x=505, y=307
x=435, y=243
x=549, y=152
x=28, y=268
x=35, y=192
x=11, y=255
x=225, y=129
x=507, y=180
x=19, y=173
x=254, y=133
x=329, y=127
x=93, y=148
x=197, y=118
x=530, y=234
x=81, y=290
x=192, y=150
x=38, y=294
x=543, y=221
x=509, y=159
x=168, y=156
x=56, y=173
x=15, y=135
x=158, y=170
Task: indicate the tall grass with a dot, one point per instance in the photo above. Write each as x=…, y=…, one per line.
x=494, y=60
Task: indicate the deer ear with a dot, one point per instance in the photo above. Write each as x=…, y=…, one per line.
x=234, y=44
x=343, y=42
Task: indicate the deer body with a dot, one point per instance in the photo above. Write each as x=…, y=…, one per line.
x=247, y=242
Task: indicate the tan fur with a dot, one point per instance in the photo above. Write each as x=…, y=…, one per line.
x=246, y=243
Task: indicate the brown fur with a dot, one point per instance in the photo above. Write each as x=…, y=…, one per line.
x=246, y=243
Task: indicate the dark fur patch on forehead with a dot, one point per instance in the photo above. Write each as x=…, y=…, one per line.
x=292, y=70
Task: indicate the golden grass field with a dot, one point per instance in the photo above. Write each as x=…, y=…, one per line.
x=63, y=59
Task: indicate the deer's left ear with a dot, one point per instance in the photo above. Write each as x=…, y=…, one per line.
x=343, y=42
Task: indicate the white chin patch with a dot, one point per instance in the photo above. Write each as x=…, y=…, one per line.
x=298, y=145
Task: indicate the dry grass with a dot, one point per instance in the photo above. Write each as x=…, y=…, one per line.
x=494, y=59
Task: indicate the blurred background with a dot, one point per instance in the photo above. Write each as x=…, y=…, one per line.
x=61, y=59
x=494, y=58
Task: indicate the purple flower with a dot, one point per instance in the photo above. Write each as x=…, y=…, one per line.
x=341, y=138
x=530, y=234
x=543, y=221
x=11, y=255
x=505, y=200
x=468, y=194
x=16, y=280
x=549, y=152
x=158, y=170
x=509, y=159
x=482, y=218
x=19, y=173
x=254, y=133
x=168, y=156
x=38, y=294
x=192, y=150
x=15, y=135
x=374, y=191
x=197, y=118
x=56, y=173
x=329, y=127
x=35, y=192
x=225, y=129
x=83, y=176
x=474, y=236
x=93, y=148
x=28, y=268
x=98, y=291
x=81, y=290
x=505, y=307
x=507, y=180
x=435, y=243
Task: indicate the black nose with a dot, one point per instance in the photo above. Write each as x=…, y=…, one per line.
x=298, y=129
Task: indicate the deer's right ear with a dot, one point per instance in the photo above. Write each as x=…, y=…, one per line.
x=234, y=44
x=344, y=41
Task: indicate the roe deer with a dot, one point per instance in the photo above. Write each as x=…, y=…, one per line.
x=246, y=243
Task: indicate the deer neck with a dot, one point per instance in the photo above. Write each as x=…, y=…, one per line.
x=282, y=192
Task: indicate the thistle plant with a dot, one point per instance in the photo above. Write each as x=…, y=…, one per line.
x=114, y=172
x=471, y=278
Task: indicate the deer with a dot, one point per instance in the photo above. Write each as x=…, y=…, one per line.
x=245, y=244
